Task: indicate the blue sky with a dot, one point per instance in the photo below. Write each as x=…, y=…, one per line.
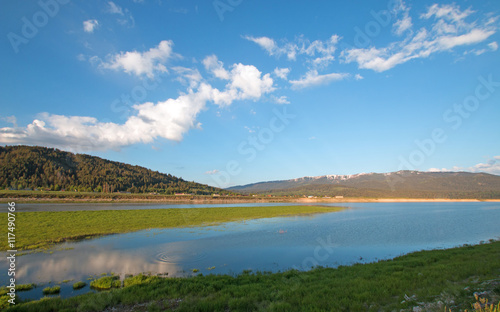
x=234, y=92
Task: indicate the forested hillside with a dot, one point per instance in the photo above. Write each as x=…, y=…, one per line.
x=28, y=167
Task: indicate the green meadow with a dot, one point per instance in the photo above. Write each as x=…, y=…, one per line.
x=432, y=280
x=43, y=229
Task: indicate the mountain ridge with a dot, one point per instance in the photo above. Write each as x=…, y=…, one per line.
x=405, y=183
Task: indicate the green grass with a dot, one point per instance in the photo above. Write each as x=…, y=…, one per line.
x=106, y=282
x=19, y=287
x=42, y=229
x=25, y=287
x=139, y=279
x=79, y=285
x=52, y=290
x=427, y=276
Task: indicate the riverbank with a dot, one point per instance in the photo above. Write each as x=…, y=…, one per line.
x=420, y=281
x=43, y=229
x=90, y=197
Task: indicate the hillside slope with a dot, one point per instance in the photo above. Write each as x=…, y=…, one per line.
x=28, y=167
x=406, y=184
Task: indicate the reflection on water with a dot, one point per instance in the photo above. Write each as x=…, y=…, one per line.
x=366, y=232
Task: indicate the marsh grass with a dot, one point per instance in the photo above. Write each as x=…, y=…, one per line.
x=140, y=279
x=380, y=286
x=43, y=229
x=51, y=290
x=79, y=285
x=106, y=282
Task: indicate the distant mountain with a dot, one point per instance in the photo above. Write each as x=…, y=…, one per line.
x=32, y=167
x=405, y=184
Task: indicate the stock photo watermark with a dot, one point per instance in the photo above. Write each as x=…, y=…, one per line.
x=223, y=6
x=31, y=26
x=11, y=253
x=253, y=145
x=373, y=28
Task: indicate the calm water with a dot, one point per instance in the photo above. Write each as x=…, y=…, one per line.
x=364, y=232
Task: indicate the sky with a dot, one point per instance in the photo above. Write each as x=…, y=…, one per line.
x=230, y=92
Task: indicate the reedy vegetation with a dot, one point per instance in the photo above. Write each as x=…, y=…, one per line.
x=427, y=276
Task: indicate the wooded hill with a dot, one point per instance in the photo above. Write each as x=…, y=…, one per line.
x=28, y=167
x=401, y=184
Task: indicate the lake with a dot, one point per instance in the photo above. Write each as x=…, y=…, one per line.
x=363, y=232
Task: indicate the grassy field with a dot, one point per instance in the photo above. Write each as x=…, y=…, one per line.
x=428, y=279
x=42, y=229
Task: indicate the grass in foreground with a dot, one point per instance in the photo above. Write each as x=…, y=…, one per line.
x=42, y=229
x=106, y=282
x=419, y=279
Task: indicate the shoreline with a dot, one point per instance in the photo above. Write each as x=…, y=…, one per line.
x=430, y=281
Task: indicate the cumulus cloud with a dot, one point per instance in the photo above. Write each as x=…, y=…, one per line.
x=142, y=63
x=90, y=25
x=492, y=166
x=312, y=78
x=449, y=29
x=188, y=76
x=170, y=119
x=244, y=81
x=216, y=67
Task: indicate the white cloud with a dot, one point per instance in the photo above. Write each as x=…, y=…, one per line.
x=142, y=63
x=404, y=23
x=450, y=12
x=280, y=100
x=266, y=43
x=170, y=119
x=449, y=30
x=312, y=78
x=492, y=166
x=114, y=8
x=188, y=76
x=318, y=53
x=244, y=81
x=125, y=18
x=210, y=172
x=216, y=67
x=90, y=25
x=493, y=46
x=281, y=72
x=358, y=77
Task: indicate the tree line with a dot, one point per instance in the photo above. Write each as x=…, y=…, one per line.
x=33, y=167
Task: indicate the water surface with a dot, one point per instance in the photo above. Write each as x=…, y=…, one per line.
x=364, y=232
